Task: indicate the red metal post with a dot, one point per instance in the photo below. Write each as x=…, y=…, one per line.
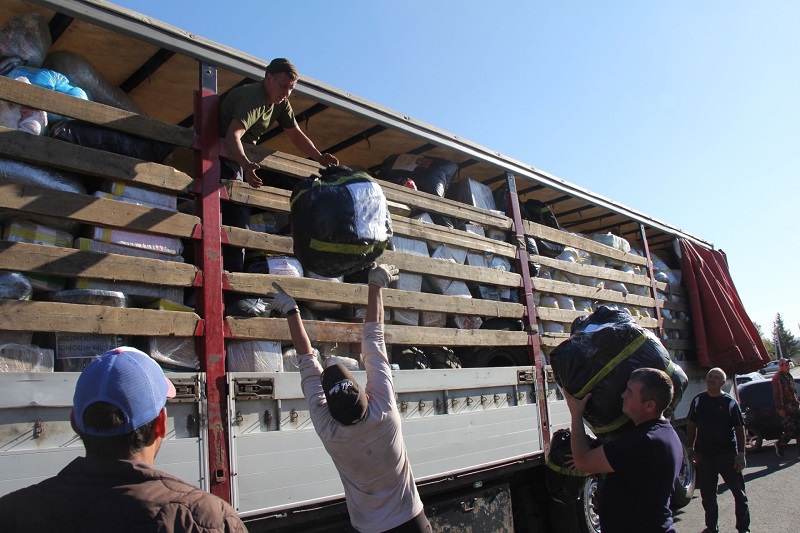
x=651, y=273
x=211, y=345
x=531, y=317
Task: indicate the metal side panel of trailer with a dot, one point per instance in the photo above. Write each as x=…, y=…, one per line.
x=454, y=421
x=37, y=441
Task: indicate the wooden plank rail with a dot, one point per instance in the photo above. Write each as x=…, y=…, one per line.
x=74, y=158
x=71, y=263
x=592, y=293
x=93, y=210
x=576, y=241
x=97, y=319
x=591, y=271
x=100, y=114
x=566, y=315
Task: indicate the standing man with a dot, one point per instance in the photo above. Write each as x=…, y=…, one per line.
x=245, y=114
x=642, y=463
x=360, y=428
x=787, y=404
x=120, y=415
x=715, y=435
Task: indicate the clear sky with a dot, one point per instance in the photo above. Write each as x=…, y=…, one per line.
x=687, y=111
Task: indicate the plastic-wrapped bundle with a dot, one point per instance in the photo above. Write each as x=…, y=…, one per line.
x=340, y=222
x=25, y=358
x=349, y=363
x=23, y=118
x=563, y=483
x=407, y=281
x=599, y=356
x=76, y=350
x=82, y=72
x=14, y=286
x=174, y=351
x=118, y=142
x=614, y=241
x=430, y=174
x=26, y=174
x=254, y=356
x=472, y=193
x=91, y=297
x=27, y=37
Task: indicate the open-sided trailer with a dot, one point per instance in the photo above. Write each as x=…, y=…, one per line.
x=477, y=434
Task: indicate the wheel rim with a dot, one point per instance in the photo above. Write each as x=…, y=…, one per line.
x=589, y=500
x=686, y=475
x=752, y=439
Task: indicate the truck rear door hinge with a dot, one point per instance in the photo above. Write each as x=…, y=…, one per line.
x=526, y=377
x=186, y=390
x=253, y=389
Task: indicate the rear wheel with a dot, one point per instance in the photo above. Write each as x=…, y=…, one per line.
x=684, y=484
x=588, y=519
x=753, y=439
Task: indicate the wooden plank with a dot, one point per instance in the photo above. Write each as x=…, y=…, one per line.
x=71, y=157
x=576, y=241
x=680, y=344
x=98, y=319
x=103, y=115
x=70, y=263
x=288, y=164
x=566, y=315
x=452, y=237
x=677, y=324
x=593, y=293
x=93, y=210
x=343, y=332
x=316, y=290
x=591, y=271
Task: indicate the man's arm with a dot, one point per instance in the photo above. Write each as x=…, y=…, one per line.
x=304, y=144
x=584, y=457
x=233, y=142
x=691, y=437
x=777, y=395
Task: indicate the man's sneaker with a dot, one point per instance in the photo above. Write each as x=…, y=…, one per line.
x=779, y=449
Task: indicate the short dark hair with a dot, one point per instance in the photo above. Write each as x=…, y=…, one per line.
x=656, y=386
x=105, y=416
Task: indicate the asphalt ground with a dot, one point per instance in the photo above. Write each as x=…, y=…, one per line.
x=773, y=488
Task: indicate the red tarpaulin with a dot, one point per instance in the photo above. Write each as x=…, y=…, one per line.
x=724, y=334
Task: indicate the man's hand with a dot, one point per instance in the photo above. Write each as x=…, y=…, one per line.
x=250, y=176
x=576, y=406
x=282, y=302
x=739, y=463
x=781, y=413
x=383, y=275
x=327, y=160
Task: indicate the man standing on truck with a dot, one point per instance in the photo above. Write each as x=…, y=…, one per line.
x=120, y=415
x=245, y=114
x=715, y=435
x=360, y=428
x=642, y=464
x=787, y=405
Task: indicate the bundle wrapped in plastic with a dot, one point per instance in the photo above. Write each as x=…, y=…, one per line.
x=27, y=37
x=174, y=351
x=91, y=297
x=472, y=193
x=603, y=349
x=408, y=281
x=563, y=483
x=26, y=174
x=432, y=175
x=614, y=241
x=14, y=286
x=348, y=362
x=117, y=142
x=83, y=73
x=25, y=358
x=340, y=222
x=254, y=356
x=23, y=118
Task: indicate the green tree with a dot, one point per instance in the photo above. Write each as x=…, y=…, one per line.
x=767, y=343
x=786, y=344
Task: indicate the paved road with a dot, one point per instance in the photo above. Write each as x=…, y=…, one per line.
x=773, y=488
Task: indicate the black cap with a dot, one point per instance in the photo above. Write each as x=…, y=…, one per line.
x=347, y=402
x=281, y=64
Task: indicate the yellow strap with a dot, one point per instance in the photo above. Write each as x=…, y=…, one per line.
x=616, y=424
x=565, y=471
x=628, y=350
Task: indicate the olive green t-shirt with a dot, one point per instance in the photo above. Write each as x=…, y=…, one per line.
x=248, y=104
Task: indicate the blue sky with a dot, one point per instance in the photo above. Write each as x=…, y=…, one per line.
x=686, y=111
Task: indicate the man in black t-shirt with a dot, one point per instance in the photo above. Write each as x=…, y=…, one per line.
x=716, y=438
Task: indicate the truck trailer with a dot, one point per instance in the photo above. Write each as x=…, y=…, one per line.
x=111, y=214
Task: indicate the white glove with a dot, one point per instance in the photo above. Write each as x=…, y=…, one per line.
x=739, y=463
x=383, y=275
x=282, y=302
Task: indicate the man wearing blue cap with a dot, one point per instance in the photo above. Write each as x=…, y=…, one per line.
x=120, y=415
x=355, y=423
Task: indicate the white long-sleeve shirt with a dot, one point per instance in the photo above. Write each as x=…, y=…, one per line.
x=370, y=455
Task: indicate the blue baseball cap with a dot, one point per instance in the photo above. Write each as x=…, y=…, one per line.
x=127, y=378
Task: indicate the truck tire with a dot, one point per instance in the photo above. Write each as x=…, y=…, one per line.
x=586, y=508
x=411, y=358
x=753, y=439
x=683, y=492
x=442, y=357
x=500, y=356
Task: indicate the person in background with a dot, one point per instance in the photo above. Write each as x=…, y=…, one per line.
x=787, y=405
x=360, y=427
x=245, y=114
x=642, y=463
x=120, y=415
x=715, y=436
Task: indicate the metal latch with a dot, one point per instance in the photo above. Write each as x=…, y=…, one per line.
x=526, y=377
x=253, y=389
x=186, y=390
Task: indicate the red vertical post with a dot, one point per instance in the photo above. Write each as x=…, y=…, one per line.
x=651, y=273
x=211, y=345
x=534, y=341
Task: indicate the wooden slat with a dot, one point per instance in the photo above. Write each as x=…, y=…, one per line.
x=347, y=293
x=93, y=210
x=439, y=234
x=592, y=271
x=677, y=324
x=341, y=332
x=103, y=115
x=566, y=315
x=569, y=239
x=679, y=344
x=593, y=293
x=70, y=263
x=98, y=319
x=67, y=156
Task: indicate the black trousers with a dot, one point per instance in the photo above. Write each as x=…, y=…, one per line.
x=709, y=469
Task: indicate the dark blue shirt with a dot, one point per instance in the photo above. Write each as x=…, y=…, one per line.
x=716, y=418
